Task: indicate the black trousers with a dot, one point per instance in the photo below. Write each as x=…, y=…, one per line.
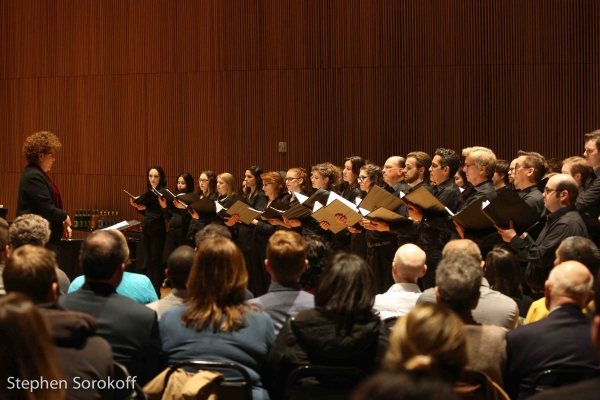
x=154, y=245
x=380, y=258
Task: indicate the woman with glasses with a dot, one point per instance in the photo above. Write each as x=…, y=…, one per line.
x=207, y=188
x=37, y=193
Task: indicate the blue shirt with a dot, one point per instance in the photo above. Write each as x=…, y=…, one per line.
x=247, y=347
x=135, y=286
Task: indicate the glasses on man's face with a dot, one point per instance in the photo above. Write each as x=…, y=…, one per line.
x=546, y=190
x=511, y=169
x=290, y=179
x=434, y=165
x=467, y=165
x=362, y=178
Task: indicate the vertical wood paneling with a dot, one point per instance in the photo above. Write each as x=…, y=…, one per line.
x=216, y=84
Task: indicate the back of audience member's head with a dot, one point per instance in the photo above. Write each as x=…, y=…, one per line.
x=404, y=385
x=179, y=265
x=429, y=338
x=4, y=239
x=102, y=253
x=318, y=253
x=286, y=255
x=463, y=246
x=502, y=272
x=29, y=229
x=211, y=231
x=26, y=349
x=569, y=282
x=458, y=279
x=578, y=248
x=31, y=270
x=410, y=262
x=347, y=290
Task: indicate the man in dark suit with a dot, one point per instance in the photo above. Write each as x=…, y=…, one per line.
x=130, y=328
x=560, y=341
x=587, y=389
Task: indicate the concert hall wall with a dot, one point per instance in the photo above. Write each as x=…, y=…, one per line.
x=216, y=84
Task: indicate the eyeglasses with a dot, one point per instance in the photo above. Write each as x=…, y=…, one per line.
x=290, y=179
x=362, y=178
x=467, y=165
x=546, y=190
x=266, y=184
x=511, y=169
x=53, y=155
x=434, y=165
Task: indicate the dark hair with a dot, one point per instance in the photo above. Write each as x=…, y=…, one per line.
x=594, y=135
x=4, y=238
x=189, y=182
x=31, y=270
x=102, y=253
x=357, y=162
x=554, y=165
x=537, y=163
x=449, y=158
x=318, y=253
x=212, y=182
x=502, y=272
x=578, y=248
x=502, y=167
x=463, y=175
x=26, y=349
x=286, y=252
x=40, y=143
x=256, y=172
x=375, y=174
x=347, y=290
x=404, y=385
x=161, y=173
x=211, y=231
x=570, y=186
x=179, y=264
x=458, y=279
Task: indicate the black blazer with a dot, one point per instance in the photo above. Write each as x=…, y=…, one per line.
x=37, y=197
x=130, y=328
x=562, y=340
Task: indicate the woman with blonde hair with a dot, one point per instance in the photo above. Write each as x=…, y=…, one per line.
x=428, y=338
x=215, y=323
x=26, y=351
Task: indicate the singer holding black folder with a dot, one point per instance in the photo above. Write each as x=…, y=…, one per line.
x=179, y=220
x=154, y=229
x=207, y=188
x=37, y=193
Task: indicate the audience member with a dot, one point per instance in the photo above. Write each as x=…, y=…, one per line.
x=4, y=251
x=31, y=270
x=407, y=268
x=503, y=273
x=563, y=221
x=493, y=308
x=211, y=231
x=560, y=341
x=587, y=389
x=179, y=265
x=26, y=350
x=404, y=385
x=318, y=253
x=575, y=248
x=458, y=281
x=428, y=338
x=286, y=261
x=340, y=331
x=215, y=323
x=35, y=230
x=129, y=327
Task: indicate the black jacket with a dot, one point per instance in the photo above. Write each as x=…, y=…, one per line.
x=80, y=353
x=312, y=338
x=37, y=197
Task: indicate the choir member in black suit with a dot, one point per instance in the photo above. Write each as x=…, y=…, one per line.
x=154, y=228
x=37, y=193
x=179, y=220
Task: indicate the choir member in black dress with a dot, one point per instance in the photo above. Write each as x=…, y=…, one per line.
x=207, y=188
x=179, y=220
x=37, y=193
x=154, y=229
x=349, y=190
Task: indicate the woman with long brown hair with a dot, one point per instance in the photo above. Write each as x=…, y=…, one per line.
x=207, y=188
x=26, y=351
x=215, y=323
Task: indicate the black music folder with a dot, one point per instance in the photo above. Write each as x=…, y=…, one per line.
x=473, y=217
x=379, y=197
x=510, y=206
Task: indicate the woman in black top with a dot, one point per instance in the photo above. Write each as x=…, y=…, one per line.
x=178, y=220
x=207, y=188
x=349, y=190
x=154, y=228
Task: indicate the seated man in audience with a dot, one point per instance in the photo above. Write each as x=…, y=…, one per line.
x=4, y=251
x=215, y=231
x=563, y=221
x=31, y=270
x=588, y=389
x=561, y=341
x=458, y=280
x=35, y=230
x=179, y=265
x=493, y=308
x=130, y=328
x=286, y=261
x=407, y=268
x=575, y=248
x=578, y=169
x=135, y=286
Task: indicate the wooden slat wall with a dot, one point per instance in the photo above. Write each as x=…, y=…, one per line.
x=216, y=84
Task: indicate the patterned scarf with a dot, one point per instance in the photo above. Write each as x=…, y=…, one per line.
x=57, y=199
